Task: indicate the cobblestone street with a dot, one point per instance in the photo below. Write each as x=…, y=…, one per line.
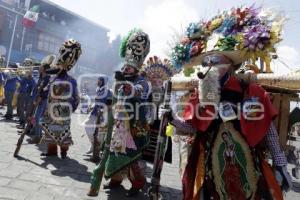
x=33, y=177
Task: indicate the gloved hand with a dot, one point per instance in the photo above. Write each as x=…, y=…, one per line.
x=162, y=111
x=119, y=76
x=127, y=89
x=32, y=120
x=284, y=178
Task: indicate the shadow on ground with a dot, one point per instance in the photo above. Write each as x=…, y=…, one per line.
x=296, y=187
x=63, y=168
x=167, y=193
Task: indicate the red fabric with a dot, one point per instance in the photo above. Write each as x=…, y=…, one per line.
x=233, y=84
x=28, y=23
x=30, y=18
x=188, y=179
x=253, y=130
x=135, y=176
x=138, y=184
x=274, y=187
x=192, y=116
x=52, y=149
x=64, y=149
x=233, y=184
x=256, y=130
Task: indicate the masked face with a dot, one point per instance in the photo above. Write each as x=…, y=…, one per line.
x=214, y=68
x=69, y=53
x=218, y=61
x=64, y=55
x=128, y=71
x=209, y=87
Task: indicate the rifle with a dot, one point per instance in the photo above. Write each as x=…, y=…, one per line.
x=28, y=124
x=161, y=147
x=98, y=172
x=96, y=149
x=48, y=60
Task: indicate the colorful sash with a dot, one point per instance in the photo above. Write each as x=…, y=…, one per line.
x=128, y=142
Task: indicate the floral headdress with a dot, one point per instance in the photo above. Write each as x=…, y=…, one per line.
x=251, y=32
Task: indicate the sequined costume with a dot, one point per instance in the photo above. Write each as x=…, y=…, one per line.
x=63, y=100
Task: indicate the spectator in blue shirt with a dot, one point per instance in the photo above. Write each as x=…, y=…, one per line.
x=22, y=97
x=32, y=82
x=9, y=90
x=103, y=97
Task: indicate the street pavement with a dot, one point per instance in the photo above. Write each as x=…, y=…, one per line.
x=33, y=177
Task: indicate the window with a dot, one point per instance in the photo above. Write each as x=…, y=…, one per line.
x=48, y=43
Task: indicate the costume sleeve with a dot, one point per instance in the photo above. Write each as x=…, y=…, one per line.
x=183, y=126
x=45, y=88
x=75, y=96
x=109, y=98
x=272, y=140
x=255, y=130
x=141, y=89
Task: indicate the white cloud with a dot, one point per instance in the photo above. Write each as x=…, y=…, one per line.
x=163, y=20
x=288, y=60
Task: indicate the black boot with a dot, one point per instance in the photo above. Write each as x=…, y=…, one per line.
x=21, y=126
x=64, y=151
x=111, y=185
x=63, y=155
x=34, y=140
x=132, y=192
x=48, y=154
x=8, y=117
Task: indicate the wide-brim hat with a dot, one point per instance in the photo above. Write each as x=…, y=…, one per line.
x=240, y=34
x=235, y=56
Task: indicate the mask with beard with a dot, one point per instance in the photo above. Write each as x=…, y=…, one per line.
x=210, y=86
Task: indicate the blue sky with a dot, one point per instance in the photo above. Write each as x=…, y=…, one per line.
x=163, y=18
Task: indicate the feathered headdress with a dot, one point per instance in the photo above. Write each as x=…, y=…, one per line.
x=156, y=69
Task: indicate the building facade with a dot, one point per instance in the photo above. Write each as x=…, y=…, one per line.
x=55, y=24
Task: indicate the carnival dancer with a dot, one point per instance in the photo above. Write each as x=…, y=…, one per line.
x=230, y=120
x=63, y=99
x=130, y=129
x=102, y=100
x=156, y=71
